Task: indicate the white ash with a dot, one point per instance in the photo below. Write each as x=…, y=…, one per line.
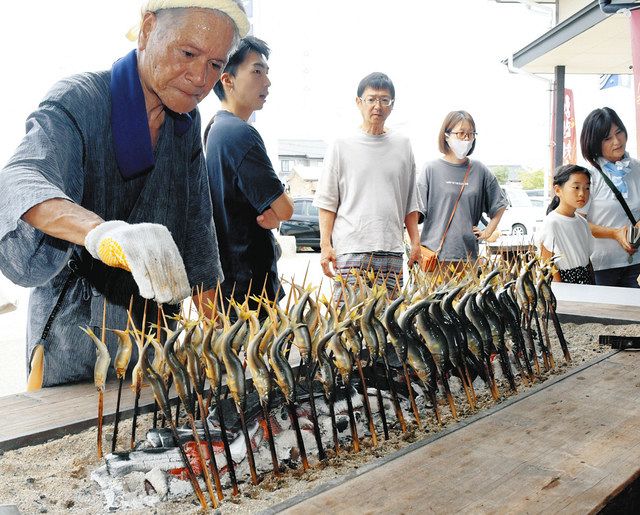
x=157, y=480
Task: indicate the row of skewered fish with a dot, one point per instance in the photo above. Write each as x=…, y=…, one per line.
x=436, y=327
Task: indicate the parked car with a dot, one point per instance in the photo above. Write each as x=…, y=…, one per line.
x=521, y=218
x=537, y=201
x=535, y=193
x=304, y=224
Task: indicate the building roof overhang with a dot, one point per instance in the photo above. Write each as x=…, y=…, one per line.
x=588, y=42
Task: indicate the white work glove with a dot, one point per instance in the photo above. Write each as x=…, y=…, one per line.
x=148, y=252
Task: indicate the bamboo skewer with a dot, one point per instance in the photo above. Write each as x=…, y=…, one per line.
x=121, y=377
x=103, y=337
x=162, y=398
x=272, y=447
x=138, y=383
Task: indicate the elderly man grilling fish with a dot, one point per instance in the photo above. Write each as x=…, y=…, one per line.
x=107, y=196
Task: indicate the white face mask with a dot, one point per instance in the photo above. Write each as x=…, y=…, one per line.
x=459, y=147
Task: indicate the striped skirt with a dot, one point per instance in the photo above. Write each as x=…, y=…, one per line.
x=386, y=267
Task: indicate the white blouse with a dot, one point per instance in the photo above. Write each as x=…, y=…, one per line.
x=604, y=209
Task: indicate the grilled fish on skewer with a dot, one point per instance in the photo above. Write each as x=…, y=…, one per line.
x=497, y=333
x=215, y=362
x=237, y=386
x=121, y=364
x=476, y=345
x=530, y=289
x=467, y=359
x=525, y=308
x=181, y=382
x=193, y=368
x=162, y=398
x=511, y=319
x=261, y=380
x=551, y=302
x=382, y=340
x=326, y=378
x=103, y=360
x=284, y=378
x=436, y=343
x=452, y=341
x=418, y=356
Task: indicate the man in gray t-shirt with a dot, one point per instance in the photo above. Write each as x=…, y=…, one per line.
x=366, y=195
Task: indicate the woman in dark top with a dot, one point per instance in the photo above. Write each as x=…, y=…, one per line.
x=439, y=185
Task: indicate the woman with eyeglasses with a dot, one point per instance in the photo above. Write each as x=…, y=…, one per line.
x=455, y=191
x=614, y=203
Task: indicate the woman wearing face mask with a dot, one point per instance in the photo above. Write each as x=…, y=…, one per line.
x=455, y=191
x=603, y=142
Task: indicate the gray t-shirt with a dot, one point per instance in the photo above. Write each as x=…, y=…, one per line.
x=369, y=182
x=438, y=187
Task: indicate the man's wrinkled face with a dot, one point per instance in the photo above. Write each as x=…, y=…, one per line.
x=183, y=56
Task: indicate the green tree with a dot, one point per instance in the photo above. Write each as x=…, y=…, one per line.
x=533, y=180
x=501, y=172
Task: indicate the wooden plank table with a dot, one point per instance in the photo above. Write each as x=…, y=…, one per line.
x=567, y=446
x=605, y=304
x=32, y=418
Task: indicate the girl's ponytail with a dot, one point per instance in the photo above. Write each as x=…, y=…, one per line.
x=555, y=202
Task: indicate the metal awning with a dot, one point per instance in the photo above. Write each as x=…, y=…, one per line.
x=587, y=42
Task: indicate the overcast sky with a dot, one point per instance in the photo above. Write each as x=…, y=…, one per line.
x=441, y=55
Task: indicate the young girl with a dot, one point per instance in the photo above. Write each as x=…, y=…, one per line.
x=566, y=234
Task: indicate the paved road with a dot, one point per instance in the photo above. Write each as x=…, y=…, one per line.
x=13, y=327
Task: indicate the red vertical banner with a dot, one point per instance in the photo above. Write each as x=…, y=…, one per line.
x=635, y=55
x=569, y=130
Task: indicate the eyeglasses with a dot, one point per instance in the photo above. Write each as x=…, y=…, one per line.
x=464, y=135
x=384, y=101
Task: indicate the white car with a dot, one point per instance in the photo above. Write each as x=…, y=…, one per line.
x=521, y=218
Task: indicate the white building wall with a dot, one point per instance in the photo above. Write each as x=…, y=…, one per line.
x=567, y=8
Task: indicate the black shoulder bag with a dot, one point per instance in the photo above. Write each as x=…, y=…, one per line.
x=633, y=234
x=619, y=196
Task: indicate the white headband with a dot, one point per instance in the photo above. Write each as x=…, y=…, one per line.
x=228, y=7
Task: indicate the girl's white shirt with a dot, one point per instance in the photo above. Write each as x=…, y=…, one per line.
x=569, y=238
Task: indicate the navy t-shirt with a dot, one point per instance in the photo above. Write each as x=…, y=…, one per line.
x=243, y=185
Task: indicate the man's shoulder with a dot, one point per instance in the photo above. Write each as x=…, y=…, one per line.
x=396, y=136
x=81, y=90
x=229, y=129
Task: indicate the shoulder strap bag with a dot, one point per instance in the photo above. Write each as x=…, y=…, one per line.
x=633, y=236
x=619, y=196
x=429, y=258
